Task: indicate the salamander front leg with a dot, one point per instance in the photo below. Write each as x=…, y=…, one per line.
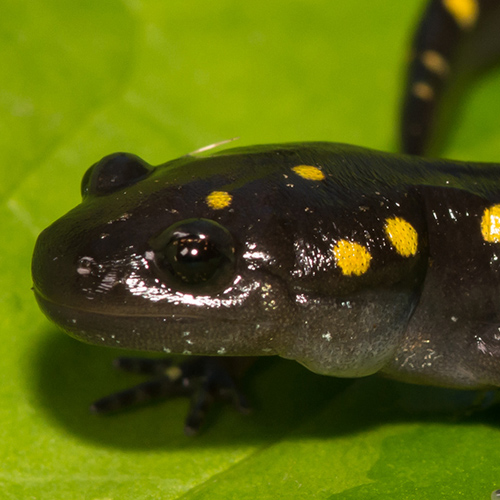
x=204, y=379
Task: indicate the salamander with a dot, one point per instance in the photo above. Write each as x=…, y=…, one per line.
x=348, y=260
x=455, y=42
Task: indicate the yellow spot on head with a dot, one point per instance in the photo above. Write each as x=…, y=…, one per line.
x=423, y=91
x=402, y=235
x=218, y=200
x=435, y=62
x=490, y=224
x=352, y=258
x=309, y=172
x=465, y=12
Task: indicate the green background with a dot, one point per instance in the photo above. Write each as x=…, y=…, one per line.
x=162, y=78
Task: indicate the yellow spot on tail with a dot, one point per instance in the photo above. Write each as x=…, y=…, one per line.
x=490, y=224
x=465, y=12
x=309, y=172
x=218, y=200
x=423, y=91
x=402, y=235
x=435, y=62
x=352, y=258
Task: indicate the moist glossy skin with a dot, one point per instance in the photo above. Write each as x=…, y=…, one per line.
x=347, y=260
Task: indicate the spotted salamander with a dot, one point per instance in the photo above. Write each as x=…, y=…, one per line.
x=350, y=261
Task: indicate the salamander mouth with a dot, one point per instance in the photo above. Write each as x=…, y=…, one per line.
x=60, y=313
x=173, y=333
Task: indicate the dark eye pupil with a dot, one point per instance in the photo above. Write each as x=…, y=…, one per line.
x=190, y=250
x=194, y=259
x=195, y=252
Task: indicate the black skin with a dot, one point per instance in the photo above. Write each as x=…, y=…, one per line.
x=113, y=271
x=467, y=52
x=100, y=272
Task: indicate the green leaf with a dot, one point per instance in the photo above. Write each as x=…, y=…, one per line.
x=82, y=79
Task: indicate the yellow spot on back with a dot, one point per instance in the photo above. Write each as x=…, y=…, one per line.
x=218, y=200
x=309, y=172
x=423, y=91
x=490, y=224
x=352, y=258
x=465, y=12
x=435, y=62
x=402, y=235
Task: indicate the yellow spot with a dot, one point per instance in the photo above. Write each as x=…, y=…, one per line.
x=402, y=235
x=173, y=373
x=309, y=172
x=465, y=12
x=435, y=62
x=218, y=200
x=352, y=258
x=490, y=224
x=423, y=91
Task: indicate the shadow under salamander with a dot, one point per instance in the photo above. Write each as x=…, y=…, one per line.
x=287, y=399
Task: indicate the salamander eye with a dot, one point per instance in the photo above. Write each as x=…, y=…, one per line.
x=195, y=253
x=112, y=173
